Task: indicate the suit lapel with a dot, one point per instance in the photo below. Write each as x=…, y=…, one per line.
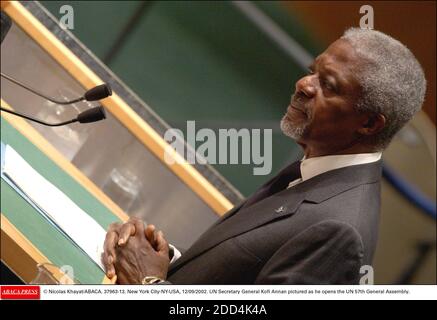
x=280, y=205
x=229, y=214
x=266, y=185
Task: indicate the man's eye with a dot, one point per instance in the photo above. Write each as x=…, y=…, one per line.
x=327, y=85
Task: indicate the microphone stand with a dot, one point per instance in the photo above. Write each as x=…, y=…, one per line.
x=90, y=115
x=37, y=120
x=97, y=93
x=18, y=83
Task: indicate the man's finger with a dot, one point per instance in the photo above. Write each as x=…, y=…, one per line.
x=111, y=239
x=140, y=232
x=107, y=262
x=114, y=226
x=110, y=242
x=139, y=225
x=150, y=235
x=162, y=244
x=127, y=230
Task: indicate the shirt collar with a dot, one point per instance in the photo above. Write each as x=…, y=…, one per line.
x=314, y=166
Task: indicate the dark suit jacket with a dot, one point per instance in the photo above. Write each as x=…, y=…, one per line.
x=320, y=231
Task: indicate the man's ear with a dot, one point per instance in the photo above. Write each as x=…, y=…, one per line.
x=372, y=124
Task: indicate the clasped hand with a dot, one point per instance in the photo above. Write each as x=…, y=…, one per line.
x=133, y=251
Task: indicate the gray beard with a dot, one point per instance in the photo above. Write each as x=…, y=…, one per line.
x=293, y=131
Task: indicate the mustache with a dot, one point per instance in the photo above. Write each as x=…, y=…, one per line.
x=297, y=101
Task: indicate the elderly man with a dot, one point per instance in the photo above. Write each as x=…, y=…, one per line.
x=316, y=222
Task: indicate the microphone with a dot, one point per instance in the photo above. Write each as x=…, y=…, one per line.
x=92, y=115
x=97, y=93
x=87, y=116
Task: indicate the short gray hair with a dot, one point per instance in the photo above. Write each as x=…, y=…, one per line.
x=392, y=80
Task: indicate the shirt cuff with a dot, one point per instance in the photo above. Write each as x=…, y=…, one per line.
x=176, y=253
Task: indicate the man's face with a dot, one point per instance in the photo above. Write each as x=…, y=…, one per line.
x=321, y=113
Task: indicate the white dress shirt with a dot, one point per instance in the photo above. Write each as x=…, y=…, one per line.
x=176, y=253
x=312, y=167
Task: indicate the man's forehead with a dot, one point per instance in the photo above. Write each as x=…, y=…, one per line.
x=339, y=52
x=341, y=60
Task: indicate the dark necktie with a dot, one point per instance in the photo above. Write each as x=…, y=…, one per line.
x=277, y=184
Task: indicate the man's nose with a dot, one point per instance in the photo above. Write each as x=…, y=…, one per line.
x=305, y=86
